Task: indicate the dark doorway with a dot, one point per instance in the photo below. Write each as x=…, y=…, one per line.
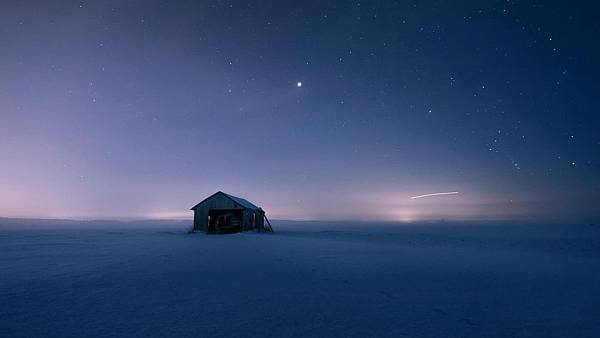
x=222, y=221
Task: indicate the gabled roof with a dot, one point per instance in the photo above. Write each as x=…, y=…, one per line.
x=243, y=202
x=238, y=200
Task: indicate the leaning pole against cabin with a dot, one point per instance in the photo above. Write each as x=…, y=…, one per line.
x=269, y=228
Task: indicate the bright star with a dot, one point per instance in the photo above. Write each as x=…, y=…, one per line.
x=299, y=84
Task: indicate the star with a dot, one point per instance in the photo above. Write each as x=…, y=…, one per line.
x=299, y=84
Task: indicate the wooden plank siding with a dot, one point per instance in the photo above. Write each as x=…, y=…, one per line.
x=217, y=201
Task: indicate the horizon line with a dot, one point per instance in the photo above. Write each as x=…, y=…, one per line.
x=436, y=220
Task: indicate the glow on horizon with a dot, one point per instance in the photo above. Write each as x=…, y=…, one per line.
x=435, y=194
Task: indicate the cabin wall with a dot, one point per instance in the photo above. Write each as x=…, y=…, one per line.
x=251, y=219
x=260, y=219
x=248, y=220
x=200, y=219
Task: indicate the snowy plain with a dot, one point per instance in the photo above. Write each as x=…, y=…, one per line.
x=308, y=279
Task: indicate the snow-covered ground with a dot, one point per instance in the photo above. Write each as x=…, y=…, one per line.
x=141, y=279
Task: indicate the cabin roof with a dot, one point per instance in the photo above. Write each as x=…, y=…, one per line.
x=242, y=202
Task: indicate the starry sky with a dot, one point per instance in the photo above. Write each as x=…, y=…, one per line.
x=311, y=109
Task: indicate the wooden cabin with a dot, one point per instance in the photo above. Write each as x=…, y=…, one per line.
x=223, y=213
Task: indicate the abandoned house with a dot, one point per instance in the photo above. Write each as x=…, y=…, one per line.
x=223, y=213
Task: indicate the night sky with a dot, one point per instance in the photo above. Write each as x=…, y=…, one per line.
x=313, y=110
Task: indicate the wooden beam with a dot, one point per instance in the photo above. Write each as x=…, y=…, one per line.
x=269, y=223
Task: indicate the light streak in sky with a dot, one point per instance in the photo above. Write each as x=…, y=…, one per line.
x=435, y=194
